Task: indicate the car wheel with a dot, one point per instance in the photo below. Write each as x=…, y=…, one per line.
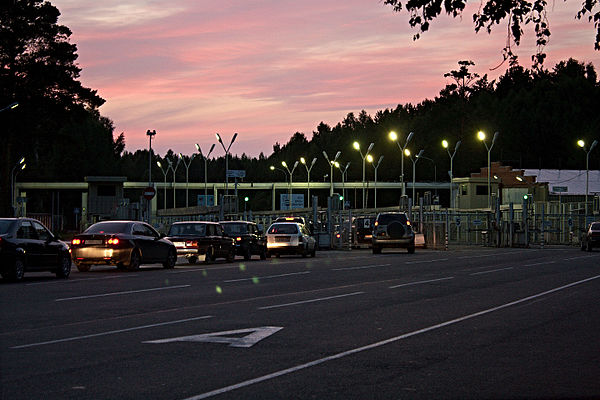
x=411, y=249
x=376, y=250
x=589, y=246
x=120, y=266
x=135, y=261
x=248, y=254
x=210, y=255
x=192, y=259
x=231, y=255
x=171, y=260
x=277, y=255
x=313, y=253
x=263, y=253
x=17, y=272
x=583, y=245
x=83, y=267
x=64, y=266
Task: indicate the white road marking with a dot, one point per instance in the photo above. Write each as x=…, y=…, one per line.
x=82, y=280
x=120, y=293
x=420, y=282
x=491, y=254
x=539, y=263
x=311, y=301
x=255, y=336
x=490, y=271
x=576, y=258
x=111, y=332
x=319, y=361
x=361, y=267
x=426, y=261
x=267, y=277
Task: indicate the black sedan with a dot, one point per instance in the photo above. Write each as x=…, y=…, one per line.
x=205, y=239
x=27, y=245
x=126, y=244
x=248, y=238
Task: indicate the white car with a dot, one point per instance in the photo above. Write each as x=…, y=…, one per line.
x=290, y=238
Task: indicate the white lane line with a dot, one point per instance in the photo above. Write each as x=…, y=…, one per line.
x=120, y=293
x=82, y=280
x=111, y=332
x=371, y=346
x=490, y=271
x=311, y=301
x=576, y=258
x=420, y=282
x=492, y=254
x=362, y=267
x=426, y=261
x=539, y=263
x=267, y=277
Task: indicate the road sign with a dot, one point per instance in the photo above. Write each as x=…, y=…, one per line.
x=236, y=173
x=560, y=189
x=254, y=336
x=477, y=222
x=457, y=221
x=149, y=193
x=297, y=201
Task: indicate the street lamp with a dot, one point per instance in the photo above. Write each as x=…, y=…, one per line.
x=291, y=180
x=357, y=147
x=414, y=161
x=226, y=159
x=481, y=136
x=303, y=161
x=445, y=145
x=11, y=106
x=205, y=171
x=165, y=174
x=19, y=166
x=343, y=172
x=337, y=155
x=245, y=202
x=581, y=144
x=174, y=171
x=375, y=166
x=394, y=137
x=187, y=171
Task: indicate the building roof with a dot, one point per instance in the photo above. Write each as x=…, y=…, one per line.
x=567, y=181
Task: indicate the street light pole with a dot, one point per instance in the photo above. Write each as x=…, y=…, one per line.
x=581, y=144
x=205, y=171
x=303, y=161
x=337, y=155
x=481, y=136
x=363, y=156
x=174, y=174
x=187, y=176
x=394, y=137
x=375, y=166
x=414, y=162
x=11, y=106
x=165, y=190
x=343, y=172
x=226, y=159
x=291, y=180
x=19, y=166
x=445, y=145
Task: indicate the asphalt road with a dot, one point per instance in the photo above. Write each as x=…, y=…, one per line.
x=469, y=323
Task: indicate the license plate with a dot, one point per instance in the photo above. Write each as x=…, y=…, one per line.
x=93, y=241
x=179, y=244
x=281, y=239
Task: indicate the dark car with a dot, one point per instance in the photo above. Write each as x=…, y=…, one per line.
x=248, y=238
x=126, y=244
x=27, y=245
x=201, y=238
x=392, y=229
x=591, y=237
x=363, y=231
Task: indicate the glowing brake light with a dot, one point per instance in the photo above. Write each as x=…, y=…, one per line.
x=76, y=241
x=239, y=239
x=407, y=222
x=113, y=241
x=376, y=223
x=191, y=243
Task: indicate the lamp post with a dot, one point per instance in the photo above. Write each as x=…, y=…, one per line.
x=245, y=202
x=343, y=172
x=581, y=144
x=363, y=156
x=481, y=136
x=414, y=162
x=291, y=180
x=165, y=174
x=174, y=171
x=11, y=106
x=445, y=145
x=273, y=168
x=303, y=161
x=394, y=137
x=19, y=166
x=205, y=170
x=187, y=176
x=226, y=159
x=375, y=166
x=337, y=155
x=150, y=134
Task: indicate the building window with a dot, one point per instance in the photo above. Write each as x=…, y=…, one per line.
x=481, y=190
x=107, y=190
x=463, y=190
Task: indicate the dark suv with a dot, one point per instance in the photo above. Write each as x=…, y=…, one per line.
x=393, y=229
x=248, y=238
x=591, y=237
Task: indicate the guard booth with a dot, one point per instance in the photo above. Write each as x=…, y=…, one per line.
x=104, y=200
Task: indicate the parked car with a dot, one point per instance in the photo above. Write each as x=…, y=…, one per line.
x=126, y=244
x=591, y=237
x=247, y=237
x=363, y=231
x=290, y=238
x=201, y=238
x=27, y=245
x=392, y=229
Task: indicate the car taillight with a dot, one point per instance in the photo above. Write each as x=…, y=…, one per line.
x=239, y=239
x=113, y=241
x=376, y=223
x=191, y=243
x=408, y=222
x=76, y=242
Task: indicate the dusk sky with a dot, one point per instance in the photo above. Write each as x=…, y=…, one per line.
x=267, y=69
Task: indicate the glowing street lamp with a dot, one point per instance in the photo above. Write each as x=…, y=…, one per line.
x=375, y=166
x=481, y=136
x=291, y=180
x=205, y=170
x=187, y=171
x=303, y=161
x=394, y=137
x=331, y=164
x=363, y=156
x=226, y=158
x=446, y=145
x=581, y=144
x=414, y=161
x=164, y=171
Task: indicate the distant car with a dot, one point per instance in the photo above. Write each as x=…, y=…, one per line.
x=591, y=237
x=392, y=229
x=247, y=237
x=26, y=245
x=290, y=238
x=363, y=231
x=126, y=244
x=201, y=238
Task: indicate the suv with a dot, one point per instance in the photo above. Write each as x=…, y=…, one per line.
x=249, y=239
x=196, y=238
x=393, y=229
x=591, y=237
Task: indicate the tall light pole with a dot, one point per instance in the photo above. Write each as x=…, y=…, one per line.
x=205, y=171
x=174, y=171
x=165, y=174
x=394, y=137
x=343, y=172
x=481, y=136
x=291, y=179
x=446, y=146
x=303, y=161
x=581, y=144
x=375, y=166
x=337, y=155
x=363, y=156
x=226, y=158
x=414, y=162
x=150, y=134
x=11, y=106
x=187, y=176
x=19, y=166
x=273, y=168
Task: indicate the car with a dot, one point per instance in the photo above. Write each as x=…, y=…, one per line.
x=126, y=244
x=591, y=237
x=392, y=229
x=201, y=238
x=248, y=238
x=363, y=231
x=290, y=238
x=300, y=220
x=26, y=245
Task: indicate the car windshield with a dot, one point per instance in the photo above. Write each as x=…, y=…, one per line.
x=109, y=227
x=386, y=219
x=5, y=225
x=595, y=226
x=187, y=230
x=288, y=229
x=235, y=229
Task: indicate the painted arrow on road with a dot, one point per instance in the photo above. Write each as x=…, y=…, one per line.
x=255, y=335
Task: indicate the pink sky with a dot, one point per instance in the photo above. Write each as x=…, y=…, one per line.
x=269, y=68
